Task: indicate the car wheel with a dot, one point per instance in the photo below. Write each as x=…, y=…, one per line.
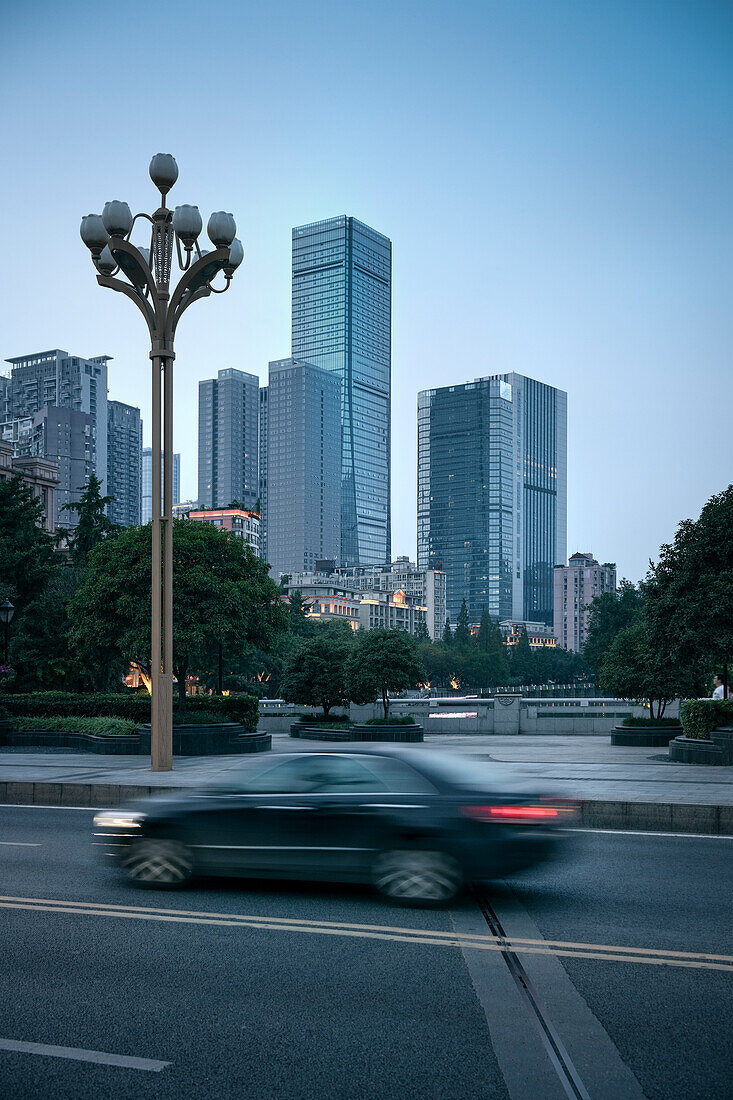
x=158, y=863
x=417, y=877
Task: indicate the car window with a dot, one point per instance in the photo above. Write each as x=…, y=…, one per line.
x=316, y=774
x=398, y=777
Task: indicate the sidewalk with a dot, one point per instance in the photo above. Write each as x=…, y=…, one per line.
x=631, y=788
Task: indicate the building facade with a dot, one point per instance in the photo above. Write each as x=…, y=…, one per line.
x=341, y=321
x=55, y=378
x=492, y=494
x=576, y=584
x=228, y=415
x=262, y=467
x=147, y=482
x=124, y=463
x=240, y=522
x=425, y=587
x=302, y=466
x=337, y=597
x=40, y=474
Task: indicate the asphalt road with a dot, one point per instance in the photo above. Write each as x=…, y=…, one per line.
x=235, y=989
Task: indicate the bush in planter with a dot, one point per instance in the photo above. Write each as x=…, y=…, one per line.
x=135, y=708
x=701, y=716
x=645, y=723
x=401, y=720
x=324, y=719
x=100, y=727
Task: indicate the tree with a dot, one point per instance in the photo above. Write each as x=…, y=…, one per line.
x=689, y=592
x=298, y=612
x=462, y=636
x=382, y=661
x=609, y=613
x=521, y=662
x=221, y=594
x=93, y=525
x=315, y=673
x=43, y=655
x=27, y=560
x=421, y=632
x=489, y=638
x=447, y=633
x=637, y=667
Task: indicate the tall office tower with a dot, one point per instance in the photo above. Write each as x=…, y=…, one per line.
x=342, y=317
x=303, y=463
x=576, y=585
x=66, y=381
x=124, y=463
x=147, y=483
x=67, y=437
x=228, y=414
x=262, y=471
x=492, y=494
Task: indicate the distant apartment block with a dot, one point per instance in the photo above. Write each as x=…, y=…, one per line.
x=228, y=424
x=238, y=521
x=55, y=378
x=576, y=584
x=147, y=483
x=124, y=463
x=302, y=466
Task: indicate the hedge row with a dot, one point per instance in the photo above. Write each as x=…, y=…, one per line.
x=701, y=716
x=643, y=723
x=135, y=708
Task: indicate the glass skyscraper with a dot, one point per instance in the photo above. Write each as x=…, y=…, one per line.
x=228, y=420
x=147, y=490
x=124, y=463
x=492, y=494
x=342, y=290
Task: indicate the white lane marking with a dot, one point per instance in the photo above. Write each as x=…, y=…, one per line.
x=649, y=832
x=17, y=844
x=78, y=1054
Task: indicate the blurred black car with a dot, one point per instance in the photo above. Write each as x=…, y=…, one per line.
x=415, y=823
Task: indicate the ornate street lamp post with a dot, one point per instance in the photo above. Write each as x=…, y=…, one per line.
x=6, y=613
x=147, y=282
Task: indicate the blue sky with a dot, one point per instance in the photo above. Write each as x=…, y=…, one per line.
x=555, y=177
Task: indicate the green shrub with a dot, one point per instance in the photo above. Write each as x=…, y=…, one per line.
x=102, y=727
x=4, y=714
x=701, y=716
x=402, y=720
x=643, y=723
x=325, y=719
x=135, y=708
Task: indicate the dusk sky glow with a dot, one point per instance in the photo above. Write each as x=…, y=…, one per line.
x=555, y=179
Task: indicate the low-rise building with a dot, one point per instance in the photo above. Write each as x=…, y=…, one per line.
x=239, y=521
x=336, y=596
x=40, y=474
x=539, y=635
x=576, y=585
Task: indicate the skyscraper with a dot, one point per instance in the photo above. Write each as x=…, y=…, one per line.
x=492, y=494
x=303, y=463
x=228, y=415
x=262, y=471
x=124, y=463
x=147, y=483
x=66, y=381
x=342, y=287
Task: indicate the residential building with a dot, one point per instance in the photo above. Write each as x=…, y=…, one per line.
x=40, y=474
x=55, y=378
x=338, y=597
x=124, y=463
x=576, y=585
x=302, y=465
x=539, y=635
x=341, y=321
x=65, y=436
x=492, y=494
x=228, y=415
x=5, y=398
x=147, y=483
x=262, y=468
x=237, y=520
x=426, y=587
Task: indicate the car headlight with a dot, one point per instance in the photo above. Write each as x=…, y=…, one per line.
x=122, y=819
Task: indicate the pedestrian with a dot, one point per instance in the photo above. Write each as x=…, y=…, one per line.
x=719, y=690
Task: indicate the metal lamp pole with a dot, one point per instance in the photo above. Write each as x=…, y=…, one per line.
x=6, y=613
x=148, y=283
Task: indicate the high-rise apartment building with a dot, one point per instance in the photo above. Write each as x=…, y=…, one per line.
x=492, y=494
x=262, y=470
x=303, y=464
x=47, y=378
x=342, y=288
x=124, y=463
x=147, y=482
x=228, y=415
x=4, y=398
x=576, y=585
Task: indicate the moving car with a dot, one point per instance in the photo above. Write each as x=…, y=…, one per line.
x=417, y=824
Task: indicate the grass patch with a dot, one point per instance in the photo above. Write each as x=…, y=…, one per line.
x=101, y=727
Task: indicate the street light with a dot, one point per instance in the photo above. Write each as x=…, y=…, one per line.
x=148, y=283
x=6, y=613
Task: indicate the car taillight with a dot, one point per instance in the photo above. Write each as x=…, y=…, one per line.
x=511, y=814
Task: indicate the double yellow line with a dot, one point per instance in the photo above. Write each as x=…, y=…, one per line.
x=649, y=956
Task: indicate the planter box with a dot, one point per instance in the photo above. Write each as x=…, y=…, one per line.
x=214, y=740
x=693, y=750
x=398, y=733
x=644, y=735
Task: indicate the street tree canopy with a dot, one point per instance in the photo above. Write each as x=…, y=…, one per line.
x=221, y=594
x=315, y=672
x=609, y=614
x=382, y=661
x=93, y=524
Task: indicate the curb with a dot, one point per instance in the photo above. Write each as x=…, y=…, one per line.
x=663, y=817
